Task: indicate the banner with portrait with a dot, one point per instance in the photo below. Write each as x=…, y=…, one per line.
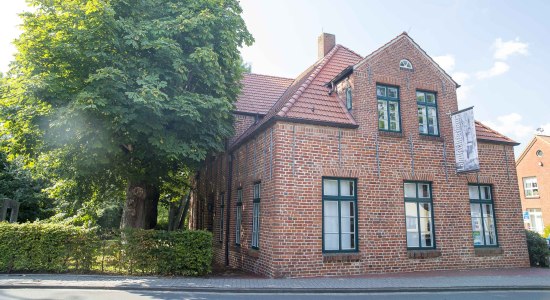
x=465, y=140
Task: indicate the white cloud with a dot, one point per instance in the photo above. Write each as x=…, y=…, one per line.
x=447, y=62
x=511, y=126
x=460, y=77
x=462, y=96
x=498, y=68
x=505, y=49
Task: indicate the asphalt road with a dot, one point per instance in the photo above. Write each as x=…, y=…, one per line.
x=67, y=294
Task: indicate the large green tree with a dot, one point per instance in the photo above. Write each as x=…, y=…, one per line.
x=127, y=91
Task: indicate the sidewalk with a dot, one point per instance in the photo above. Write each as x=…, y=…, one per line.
x=468, y=280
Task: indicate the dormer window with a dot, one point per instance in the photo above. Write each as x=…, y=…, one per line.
x=405, y=64
x=348, y=98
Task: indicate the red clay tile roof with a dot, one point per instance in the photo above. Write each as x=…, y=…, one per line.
x=485, y=133
x=260, y=92
x=307, y=98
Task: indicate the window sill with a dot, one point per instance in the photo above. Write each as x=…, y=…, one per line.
x=427, y=137
x=423, y=254
x=253, y=252
x=532, y=197
x=235, y=248
x=390, y=133
x=339, y=257
x=496, y=251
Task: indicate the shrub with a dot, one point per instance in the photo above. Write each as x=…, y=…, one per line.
x=34, y=247
x=538, y=249
x=546, y=233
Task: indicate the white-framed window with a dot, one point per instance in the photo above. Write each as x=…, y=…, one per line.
x=535, y=220
x=405, y=64
x=339, y=215
x=256, y=216
x=419, y=215
x=427, y=113
x=530, y=186
x=483, y=218
x=239, y=217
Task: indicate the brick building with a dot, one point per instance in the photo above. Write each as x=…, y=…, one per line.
x=534, y=182
x=349, y=169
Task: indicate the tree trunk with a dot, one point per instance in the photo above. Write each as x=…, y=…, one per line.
x=141, y=207
x=177, y=213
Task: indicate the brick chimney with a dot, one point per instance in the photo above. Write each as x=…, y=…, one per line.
x=325, y=43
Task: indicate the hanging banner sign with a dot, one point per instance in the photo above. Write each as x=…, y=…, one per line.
x=465, y=140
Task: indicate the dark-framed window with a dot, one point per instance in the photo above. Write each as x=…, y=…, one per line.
x=419, y=215
x=389, y=118
x=239, y=217
x=339, y=214
x=222, y=205
x=348, y=98
x=256, y=215
x=484, y=229
x=427, y=113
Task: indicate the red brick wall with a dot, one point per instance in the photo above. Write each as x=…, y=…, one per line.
x=292, y=159
x=529, y=167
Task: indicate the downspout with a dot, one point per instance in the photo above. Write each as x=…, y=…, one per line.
x=229, y=184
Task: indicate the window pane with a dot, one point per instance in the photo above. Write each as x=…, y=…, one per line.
x=412, y=239
x=394, y=115
x=330, y=187
x=331, y=241
x=392, y=92
x=424, y=210
x=348, y=241
x=331, y=208
x=432, y=121
x=420, y=97
x=410, y=190
x=347, y=188
x=476, y=224
x=430, y=98
x=410, y=209
x=381, y=91
x=422, y=120
x=485, y=193
x=473, y=191
x=426, y=230
x=423, y=190
x=490, y=233
x=382, y=115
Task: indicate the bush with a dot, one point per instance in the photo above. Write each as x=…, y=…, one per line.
x=538, y=249
x=546, y=233
x=34, y=247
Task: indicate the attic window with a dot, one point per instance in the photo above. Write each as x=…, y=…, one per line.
x=405, y=64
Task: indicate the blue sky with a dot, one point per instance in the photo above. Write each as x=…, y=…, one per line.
x=499, y=51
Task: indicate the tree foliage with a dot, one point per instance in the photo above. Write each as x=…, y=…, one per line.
x=114, y=92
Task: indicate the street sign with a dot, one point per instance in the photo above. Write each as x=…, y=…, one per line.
x=526, y=216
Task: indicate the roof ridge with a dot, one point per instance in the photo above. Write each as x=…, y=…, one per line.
x=286, y=107
x=378, y=49
x=359, y=55
x=524, y=152
x=265, y=75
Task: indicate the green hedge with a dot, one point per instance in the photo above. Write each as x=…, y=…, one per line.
x=34, y=247
x=538, y=249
